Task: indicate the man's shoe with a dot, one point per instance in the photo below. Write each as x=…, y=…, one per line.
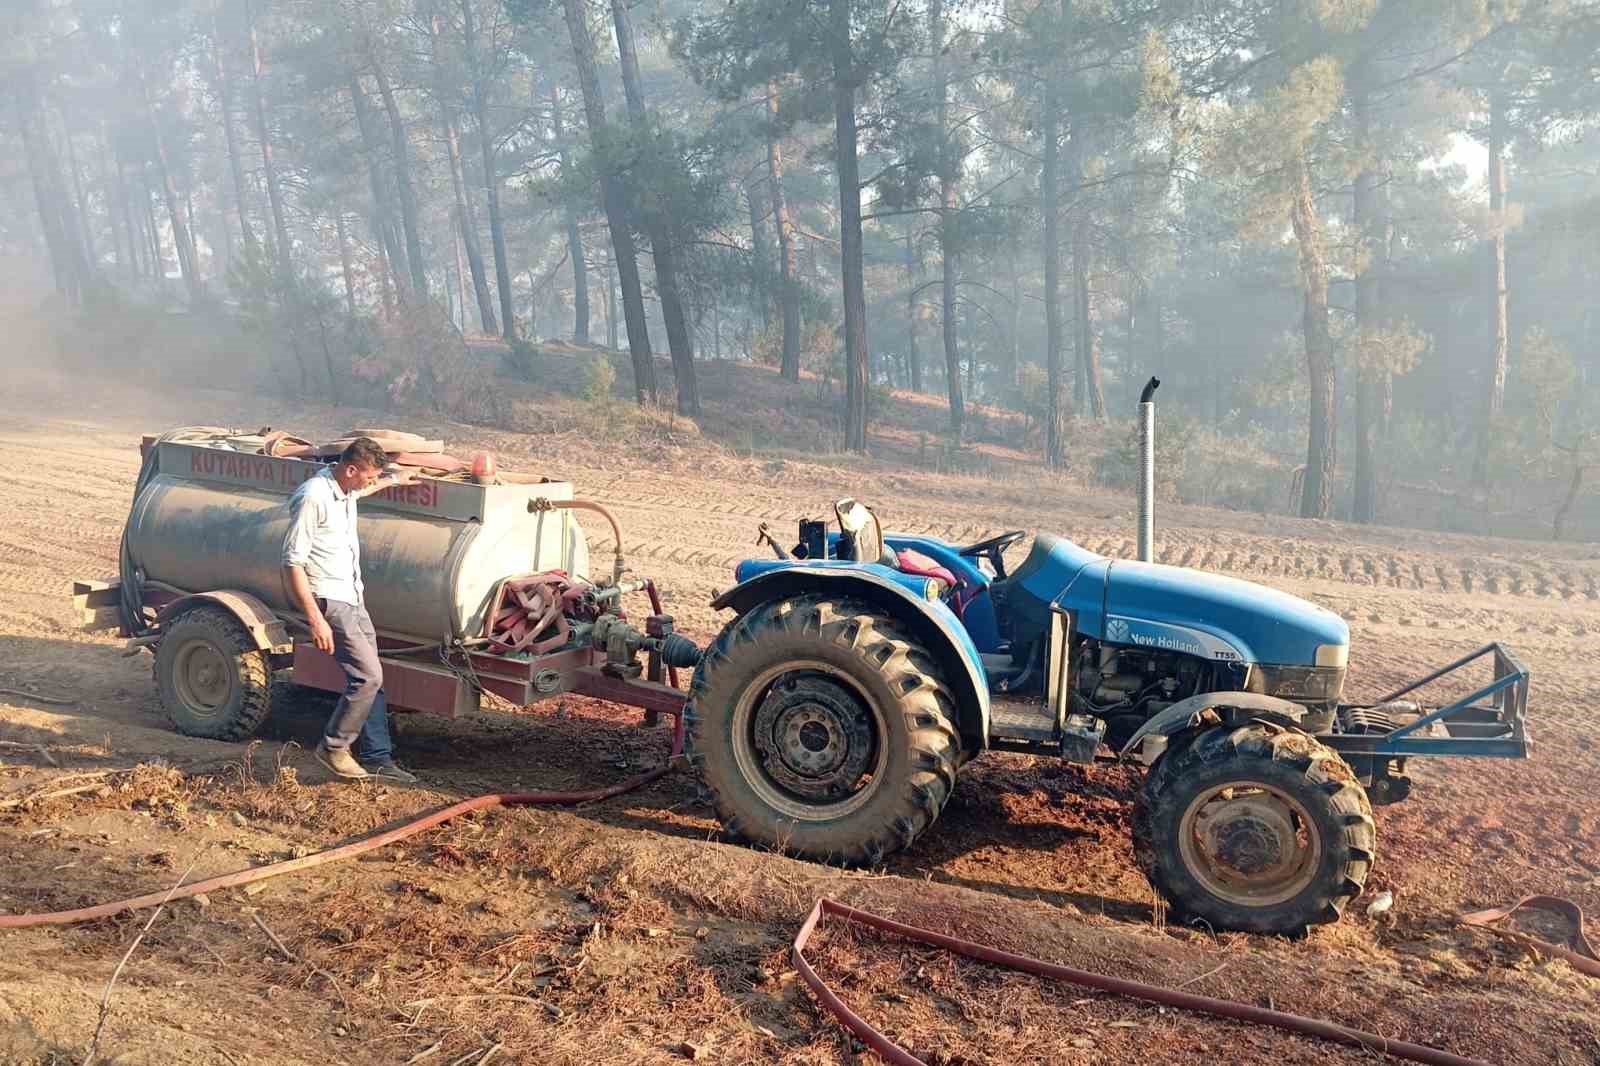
x=390, y=772
x=340, y=762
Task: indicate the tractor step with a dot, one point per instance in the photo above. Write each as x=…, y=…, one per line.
x=1022, y=725
x=1030, y=726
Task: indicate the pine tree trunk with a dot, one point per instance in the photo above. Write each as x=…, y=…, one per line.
x=1049, y=205
x=1131, y=325
x=1158, y=331
x=615, y=203
x=113, y=197
x=491, y=178
x=181, y=237
x=466, y=218
x=386, y=277
x=657, y=228
x=382, y=194
x=1495, y=394
x=611, y=303
x=269, y=169
x=1317, y=495
x=41, y=171
x=1087, y=388
x=461, y=283
x=1558, y=526
x=235, y=164
x=948, y=168
x=402, y=180
x=347, y=270
x=760, y=245
x=913, y=356
x=575, y=251
x=788, y=253
x=1014, y=340
x=856, y=356
x=80, y=216
x=1364, y=501
x=132, y=233
x=159, y=276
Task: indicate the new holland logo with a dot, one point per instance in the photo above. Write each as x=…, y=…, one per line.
x=1117, y=631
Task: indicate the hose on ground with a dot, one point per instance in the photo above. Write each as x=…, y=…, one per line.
x=877, y=1041
x=1222, y=1008
x=347, y=851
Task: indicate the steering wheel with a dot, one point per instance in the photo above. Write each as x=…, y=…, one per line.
x=993, y=550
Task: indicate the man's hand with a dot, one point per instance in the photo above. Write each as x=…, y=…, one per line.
x=393, y=477
x=300, y=592
x=321, y=633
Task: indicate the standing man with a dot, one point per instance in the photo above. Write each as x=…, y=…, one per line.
x=322, y=573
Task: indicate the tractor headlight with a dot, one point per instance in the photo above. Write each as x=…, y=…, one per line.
x=1303, y=684
x=1333, y=655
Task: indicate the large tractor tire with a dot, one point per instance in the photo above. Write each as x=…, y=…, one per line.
x=1256, y=828
x=214, y=681
x=823, y=729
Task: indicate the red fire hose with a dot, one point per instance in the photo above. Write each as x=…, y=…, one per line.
x=1222, y=1008
x=875, y=1040
x=359, y=847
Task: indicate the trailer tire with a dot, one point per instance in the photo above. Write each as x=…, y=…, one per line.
x=1255, y=828
x=214, y=681
x=821, y=728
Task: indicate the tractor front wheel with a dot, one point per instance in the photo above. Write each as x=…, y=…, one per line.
x=1255, y=828
x=823, y=729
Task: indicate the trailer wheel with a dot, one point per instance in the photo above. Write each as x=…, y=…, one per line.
x=1255, y=828
x=822, y=729
x=214, y=681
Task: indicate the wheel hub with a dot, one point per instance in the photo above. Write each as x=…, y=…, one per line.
x=1250, y=844
x=814, y=737
x=1249, y=837
x=202, y=677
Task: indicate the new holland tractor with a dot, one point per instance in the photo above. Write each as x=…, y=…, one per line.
x=831, y=716
x=859, y=673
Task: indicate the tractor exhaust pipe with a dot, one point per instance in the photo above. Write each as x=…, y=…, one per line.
x=1147, y=470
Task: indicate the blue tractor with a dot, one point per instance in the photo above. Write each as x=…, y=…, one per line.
x=831, y=716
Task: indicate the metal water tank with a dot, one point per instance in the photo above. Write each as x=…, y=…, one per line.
x=213, y=517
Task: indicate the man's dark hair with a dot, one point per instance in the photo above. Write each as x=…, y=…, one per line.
x=364, y=451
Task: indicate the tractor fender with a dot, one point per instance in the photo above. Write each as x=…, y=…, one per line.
x=265, y=628
x=1185, y=714
x=933, y=625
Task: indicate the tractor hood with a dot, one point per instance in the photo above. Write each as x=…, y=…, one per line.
x=1198, y=613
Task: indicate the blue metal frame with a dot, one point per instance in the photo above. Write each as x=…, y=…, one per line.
x=1497, y=729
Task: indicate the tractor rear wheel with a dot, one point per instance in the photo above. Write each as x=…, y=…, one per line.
x=821, y=728
x=1256, y=828
x=214, y=681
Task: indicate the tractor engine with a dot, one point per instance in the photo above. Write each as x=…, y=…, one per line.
x=1125, y=686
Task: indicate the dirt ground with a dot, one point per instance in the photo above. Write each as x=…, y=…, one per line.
x=627, y=931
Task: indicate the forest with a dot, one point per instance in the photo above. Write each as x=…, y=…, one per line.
x=1360, y=238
